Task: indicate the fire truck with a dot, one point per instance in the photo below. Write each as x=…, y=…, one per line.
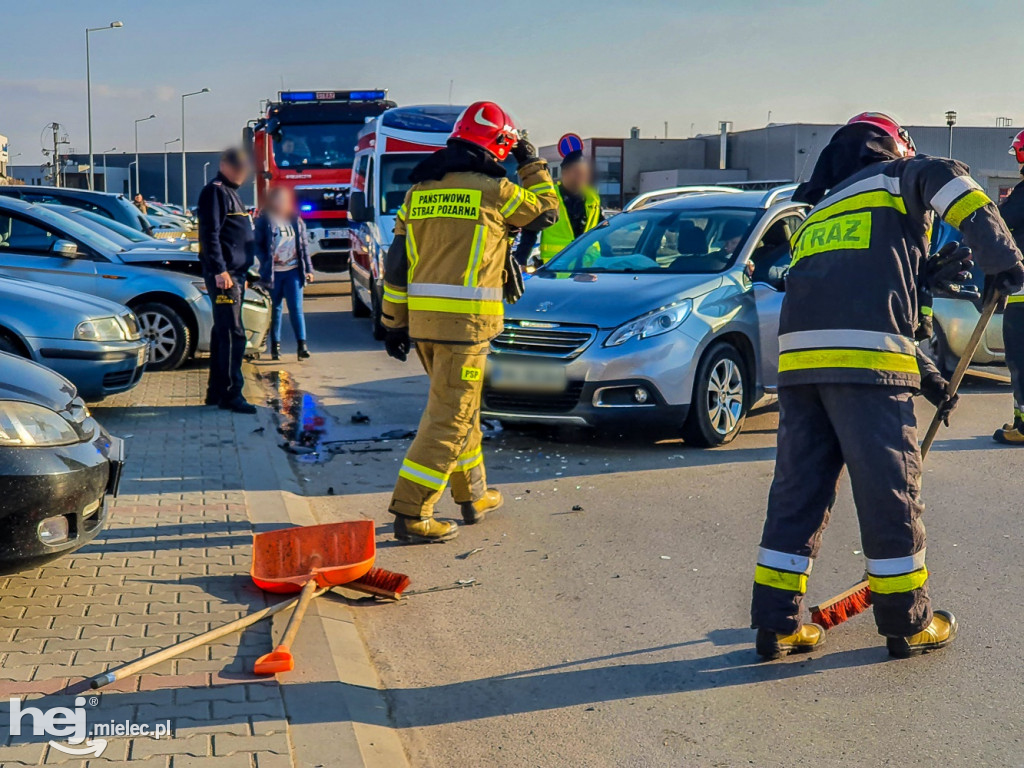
x=306, y=141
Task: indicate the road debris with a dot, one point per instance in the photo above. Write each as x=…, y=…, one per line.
x=467, y=555
x=360, y=418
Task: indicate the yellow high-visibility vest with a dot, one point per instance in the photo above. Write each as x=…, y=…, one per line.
x=560, y=234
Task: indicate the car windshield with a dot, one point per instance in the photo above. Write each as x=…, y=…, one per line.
x=71, y=228
x=316, y=145
x=657, y=240
x=95, y=226
x=116, y=226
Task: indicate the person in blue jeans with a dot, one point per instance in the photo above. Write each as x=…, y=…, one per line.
x=285, y=266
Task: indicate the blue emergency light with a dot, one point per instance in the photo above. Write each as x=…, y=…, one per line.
x=294, y=97
x=305, y=207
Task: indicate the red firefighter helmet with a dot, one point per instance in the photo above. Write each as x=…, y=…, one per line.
x=891, y=127
x=487, y=125
x=1017, y=147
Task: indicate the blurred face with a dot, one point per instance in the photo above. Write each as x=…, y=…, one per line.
x=288, y=146
x=730, y=245
x=282, y=203
x=234, y=174
x=138, y=198
x=576, y=177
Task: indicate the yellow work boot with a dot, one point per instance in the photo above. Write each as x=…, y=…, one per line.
x=1010, y=434
x=424, y=530
x=771, y=645
x=475, y=511
x=938, y=634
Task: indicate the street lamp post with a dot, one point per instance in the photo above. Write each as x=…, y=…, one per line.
x=106, y=186
x=130, y=177
x=167, y=194
x=184, y=173
x=205, y=166
x=951, y=121
x=88, y=87
x=138, y=189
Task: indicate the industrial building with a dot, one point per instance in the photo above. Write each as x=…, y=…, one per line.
x=775, y=154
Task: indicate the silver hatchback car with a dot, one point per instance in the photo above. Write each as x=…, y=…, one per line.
x=667, y=315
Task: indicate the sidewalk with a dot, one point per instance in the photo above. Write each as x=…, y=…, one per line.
x=173, y=563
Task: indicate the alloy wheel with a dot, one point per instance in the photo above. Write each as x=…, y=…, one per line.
x=159, y=331
x=725, y=396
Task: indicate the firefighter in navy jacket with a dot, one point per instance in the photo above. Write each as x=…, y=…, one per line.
x=226, y=253
x=848, y=368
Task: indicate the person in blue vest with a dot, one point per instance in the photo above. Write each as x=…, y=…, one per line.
x=579, y=211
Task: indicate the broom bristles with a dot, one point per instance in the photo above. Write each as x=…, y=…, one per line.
x=845, y=606
x=382, y=583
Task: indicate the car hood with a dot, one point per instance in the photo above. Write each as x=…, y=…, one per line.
x=186, y=262
x=42, y=298
x=30, y=382
x=604, y=300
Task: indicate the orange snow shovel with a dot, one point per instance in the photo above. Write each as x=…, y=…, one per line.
x=302, y=559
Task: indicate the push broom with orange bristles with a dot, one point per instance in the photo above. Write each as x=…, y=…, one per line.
x=857, y=598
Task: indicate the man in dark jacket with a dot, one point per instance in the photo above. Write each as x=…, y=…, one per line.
x=226, y=254
x=848, y=368
x=1012, y=211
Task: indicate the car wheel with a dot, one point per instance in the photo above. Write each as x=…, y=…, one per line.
x=380, y=332
x=359, y=308
x=939, y=352
x=167, y=333
x=719, y=403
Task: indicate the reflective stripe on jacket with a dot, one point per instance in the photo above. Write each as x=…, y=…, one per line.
x=851, y=303
x=560, y=234
x=456, y=245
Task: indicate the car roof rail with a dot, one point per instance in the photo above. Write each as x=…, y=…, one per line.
x=660, y=195
x=778, y=194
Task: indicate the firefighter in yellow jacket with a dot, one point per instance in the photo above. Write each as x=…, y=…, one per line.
x=443, y=289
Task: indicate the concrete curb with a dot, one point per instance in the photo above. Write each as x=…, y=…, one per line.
x=334, y=683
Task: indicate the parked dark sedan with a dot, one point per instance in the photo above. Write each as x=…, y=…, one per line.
x=110, y=204
x=58, y=467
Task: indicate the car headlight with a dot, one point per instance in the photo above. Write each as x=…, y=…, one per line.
x=100, y=329
x=652, y=324
x=131, y=326
x=33, y=426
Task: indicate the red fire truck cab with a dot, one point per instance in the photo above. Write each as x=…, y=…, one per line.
x=307, y=141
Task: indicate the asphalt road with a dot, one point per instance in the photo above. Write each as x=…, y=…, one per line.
x=617, y=634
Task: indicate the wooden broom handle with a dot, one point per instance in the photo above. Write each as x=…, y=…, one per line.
x=987, y=311
x=156, y=657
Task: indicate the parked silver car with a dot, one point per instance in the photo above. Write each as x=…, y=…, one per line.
x=93, y=342
x=666, y=314
x=163, y=287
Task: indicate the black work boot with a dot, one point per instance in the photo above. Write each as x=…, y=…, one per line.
x=303, y=350
x=275, y=350
x=938, y=634
x=771, y=645
x=424, y=530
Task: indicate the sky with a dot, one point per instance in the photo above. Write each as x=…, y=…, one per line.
x=594, y=67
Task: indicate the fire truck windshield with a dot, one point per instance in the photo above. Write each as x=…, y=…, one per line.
x=315, y=145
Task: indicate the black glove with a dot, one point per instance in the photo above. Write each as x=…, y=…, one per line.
x=1009, y=281
x=948, y=270
x=933, y=387
x=397, y=343
x=524, y=152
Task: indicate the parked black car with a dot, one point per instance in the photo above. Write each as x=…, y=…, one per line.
x=110, y=204
x=58, y=467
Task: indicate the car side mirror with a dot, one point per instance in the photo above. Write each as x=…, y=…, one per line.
x=358, y=210
x=65, y=248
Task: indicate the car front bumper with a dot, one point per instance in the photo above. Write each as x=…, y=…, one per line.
x=97, y=369
x=603, y=382
x=329, y=247
x=71, y=481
